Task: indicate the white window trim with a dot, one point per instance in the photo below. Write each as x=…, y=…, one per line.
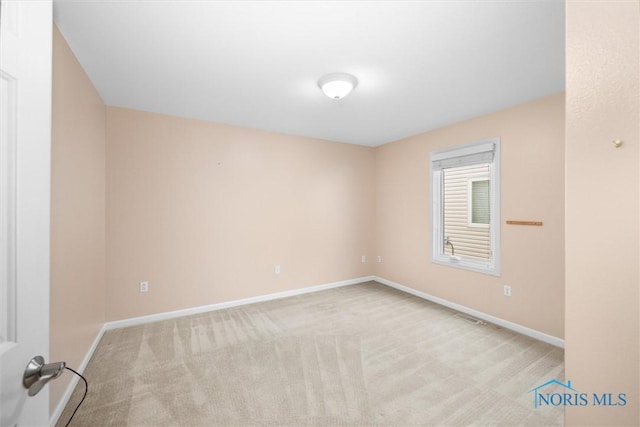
x=437, y=232
x=470, y=222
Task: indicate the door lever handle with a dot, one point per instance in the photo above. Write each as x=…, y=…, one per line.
x=37, y=374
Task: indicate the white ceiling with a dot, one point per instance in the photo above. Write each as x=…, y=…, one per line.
x=420, y=65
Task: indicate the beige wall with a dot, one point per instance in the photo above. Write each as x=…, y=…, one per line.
x=603, y=185
x=77, y=213
x=532, y=142
x=204, y=212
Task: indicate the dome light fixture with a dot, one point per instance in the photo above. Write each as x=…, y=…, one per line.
x=337, y=85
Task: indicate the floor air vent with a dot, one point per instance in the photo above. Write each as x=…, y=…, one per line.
x=469, y=319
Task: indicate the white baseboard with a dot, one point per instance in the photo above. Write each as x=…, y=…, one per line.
x=550, y=339
x=228, y=304
x=62, y=403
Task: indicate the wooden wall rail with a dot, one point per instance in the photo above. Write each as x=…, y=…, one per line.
x=537, y=223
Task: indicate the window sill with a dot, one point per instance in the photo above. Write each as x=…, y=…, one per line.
x=467, y=264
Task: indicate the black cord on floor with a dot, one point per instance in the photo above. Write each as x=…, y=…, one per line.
x=86, y=389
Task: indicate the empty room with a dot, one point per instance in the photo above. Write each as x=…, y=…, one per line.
x=320, y=213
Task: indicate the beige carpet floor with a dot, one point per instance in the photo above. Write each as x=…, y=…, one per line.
x=361, y=355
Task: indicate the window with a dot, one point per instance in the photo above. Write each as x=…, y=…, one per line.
x=465, y=206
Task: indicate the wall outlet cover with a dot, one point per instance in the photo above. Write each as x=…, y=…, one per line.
x=144, y=286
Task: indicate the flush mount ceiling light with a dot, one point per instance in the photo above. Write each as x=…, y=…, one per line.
x=337, y=85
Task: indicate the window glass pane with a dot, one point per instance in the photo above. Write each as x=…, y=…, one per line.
x=480, y=202
x=461, y=236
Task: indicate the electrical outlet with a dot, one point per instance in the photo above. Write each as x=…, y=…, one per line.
x=363, y=259
x=277, y=269
x=144, y=286
x=378, y=258
x=506, y=290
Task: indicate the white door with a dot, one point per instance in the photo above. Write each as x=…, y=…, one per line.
x=25, y=145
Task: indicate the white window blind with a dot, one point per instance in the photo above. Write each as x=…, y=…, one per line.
x=463, y=156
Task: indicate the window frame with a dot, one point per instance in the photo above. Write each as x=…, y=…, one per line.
x=478, y=149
